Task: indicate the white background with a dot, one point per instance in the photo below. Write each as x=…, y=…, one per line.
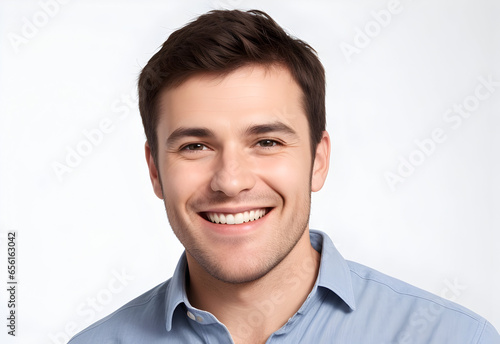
x=65, y=68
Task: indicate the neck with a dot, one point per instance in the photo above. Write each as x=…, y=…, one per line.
x=253, y=311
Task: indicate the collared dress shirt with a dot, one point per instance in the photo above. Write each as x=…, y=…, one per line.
x=349, y=303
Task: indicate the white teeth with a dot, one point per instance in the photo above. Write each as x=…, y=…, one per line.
x=237, y=218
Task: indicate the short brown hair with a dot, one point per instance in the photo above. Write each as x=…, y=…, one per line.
x=220, y=42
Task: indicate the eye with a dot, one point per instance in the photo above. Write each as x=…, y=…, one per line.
x=194, y=147
x=268, y=143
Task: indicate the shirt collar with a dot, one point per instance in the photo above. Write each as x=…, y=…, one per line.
x=176, y=291
x=334, y=274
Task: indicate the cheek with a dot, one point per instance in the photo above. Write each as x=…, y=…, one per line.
x=286, y=174
x=182, y=180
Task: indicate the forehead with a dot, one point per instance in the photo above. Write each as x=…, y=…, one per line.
x=251, y=93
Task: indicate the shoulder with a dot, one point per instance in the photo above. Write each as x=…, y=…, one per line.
x=367, y=280
x=413, y=312
x=147, y=311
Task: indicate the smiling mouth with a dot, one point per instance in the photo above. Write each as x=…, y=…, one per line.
x=236, y=218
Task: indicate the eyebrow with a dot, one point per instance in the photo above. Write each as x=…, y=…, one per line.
x=274, y=127
x=182, y=132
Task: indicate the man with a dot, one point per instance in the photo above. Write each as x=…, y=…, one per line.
x=234, y=113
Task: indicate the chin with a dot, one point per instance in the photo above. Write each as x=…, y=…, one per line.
x=238, y=271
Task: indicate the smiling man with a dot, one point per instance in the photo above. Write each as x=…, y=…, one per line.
x=234, y=113
x=229, y=149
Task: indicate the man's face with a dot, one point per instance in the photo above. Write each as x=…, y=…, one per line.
x=235, y=170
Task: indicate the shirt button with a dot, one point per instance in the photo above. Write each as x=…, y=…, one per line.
x=191, y=315
x=199, y=319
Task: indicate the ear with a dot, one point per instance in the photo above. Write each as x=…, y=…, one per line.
x=321, y=163
x=153, y=172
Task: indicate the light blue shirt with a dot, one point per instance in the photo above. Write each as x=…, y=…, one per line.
x=349, y=303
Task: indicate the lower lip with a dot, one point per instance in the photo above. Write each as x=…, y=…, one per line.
x=240, y=229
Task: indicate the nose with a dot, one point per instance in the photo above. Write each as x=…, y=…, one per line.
x=232, y=174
